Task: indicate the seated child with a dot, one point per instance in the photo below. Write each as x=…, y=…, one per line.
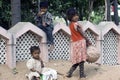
x=44, y=21
x=34, y=64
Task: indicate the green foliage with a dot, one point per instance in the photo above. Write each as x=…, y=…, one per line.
x=29, y=8
x=0, y=4
x=5, y=10
x=59, y=6
x=56, y=6
x=97, y=15
x=5, y=14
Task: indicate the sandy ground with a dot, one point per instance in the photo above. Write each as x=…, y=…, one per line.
x=93, y=71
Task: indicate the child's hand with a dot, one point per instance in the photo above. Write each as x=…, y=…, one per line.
x=44, y=24
x=88, y=43
x=33, y=70
x=40, y=13
x=38, y=72
x=42, y=64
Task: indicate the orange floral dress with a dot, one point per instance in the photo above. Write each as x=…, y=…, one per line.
x=78, y=45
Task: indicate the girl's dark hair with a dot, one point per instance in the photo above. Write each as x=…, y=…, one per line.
x=33, y=48
x=70, y=13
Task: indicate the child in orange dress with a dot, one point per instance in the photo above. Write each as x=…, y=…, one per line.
x=78, y=55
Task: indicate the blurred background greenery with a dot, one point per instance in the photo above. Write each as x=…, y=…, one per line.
x=92, y=10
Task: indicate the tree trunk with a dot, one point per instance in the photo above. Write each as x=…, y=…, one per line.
x=90, y=8
x=107, y=10
x=16, y=11
x=116, y=18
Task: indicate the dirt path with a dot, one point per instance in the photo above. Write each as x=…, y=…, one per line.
x=93, y=71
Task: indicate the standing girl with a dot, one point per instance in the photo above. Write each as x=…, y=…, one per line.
x=79, y=42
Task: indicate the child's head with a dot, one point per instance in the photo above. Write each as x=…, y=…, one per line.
x=44, y=6
x=72, y=14
x=35, y=51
